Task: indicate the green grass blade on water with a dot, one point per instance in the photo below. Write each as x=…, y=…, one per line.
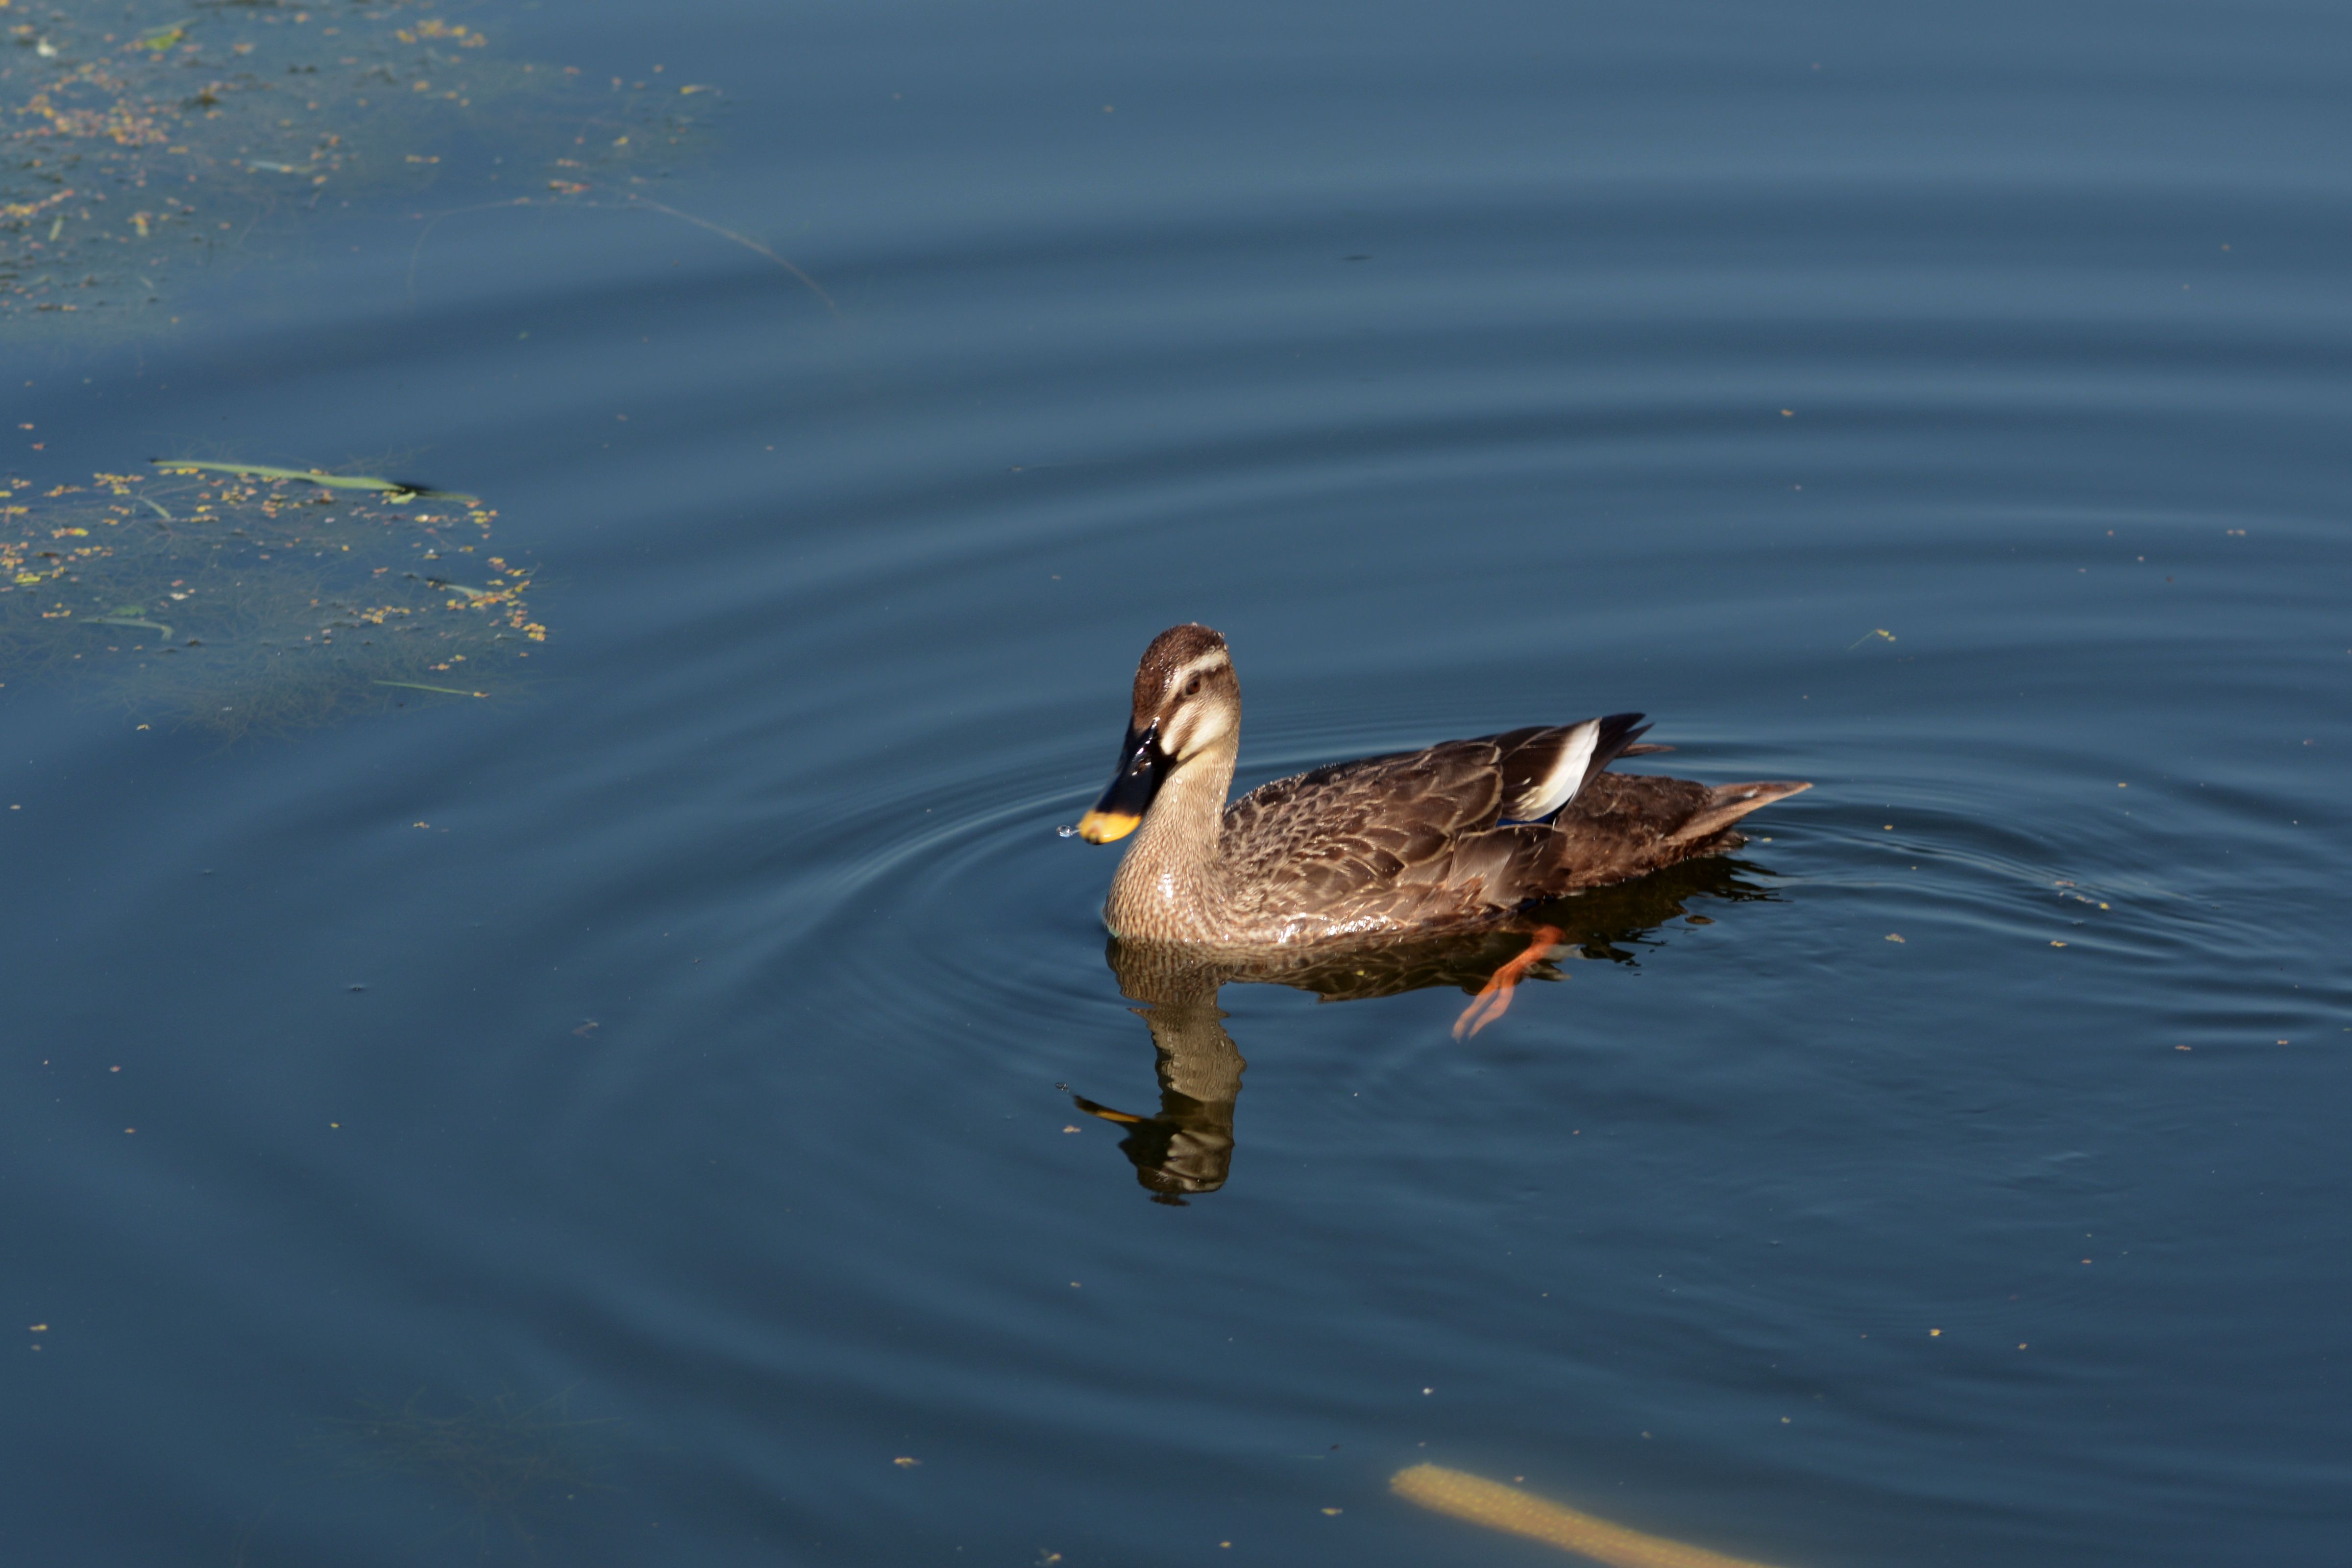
x=390, y=489
x=127, y=621
x=420, y=685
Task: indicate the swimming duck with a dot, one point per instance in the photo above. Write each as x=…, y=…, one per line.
x=1460, y=835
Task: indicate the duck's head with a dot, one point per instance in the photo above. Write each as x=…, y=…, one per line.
x=1188, y=705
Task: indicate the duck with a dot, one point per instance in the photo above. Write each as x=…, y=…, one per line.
x=1455, y=837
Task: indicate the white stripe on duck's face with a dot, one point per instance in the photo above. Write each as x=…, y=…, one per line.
x=1188, y=678
x=1198, y=708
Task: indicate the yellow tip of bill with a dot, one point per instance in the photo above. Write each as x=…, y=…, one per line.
x=1104, y=826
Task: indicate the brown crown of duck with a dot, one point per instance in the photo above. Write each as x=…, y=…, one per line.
x=1461, y=834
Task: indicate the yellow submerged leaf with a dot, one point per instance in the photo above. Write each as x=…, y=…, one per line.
x=1500, y=1507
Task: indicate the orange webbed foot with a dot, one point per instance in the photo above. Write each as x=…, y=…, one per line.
x=1494, y=999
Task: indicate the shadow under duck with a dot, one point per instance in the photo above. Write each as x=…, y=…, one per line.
x=1458, y=835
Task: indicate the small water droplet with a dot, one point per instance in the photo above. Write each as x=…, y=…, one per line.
x=1066, y=831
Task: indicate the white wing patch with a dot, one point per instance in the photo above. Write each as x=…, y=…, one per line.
x=1558, y=786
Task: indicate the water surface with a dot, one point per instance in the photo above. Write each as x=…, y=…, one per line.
x=630, y=1119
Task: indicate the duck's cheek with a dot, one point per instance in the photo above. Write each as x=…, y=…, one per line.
x=1193, y=732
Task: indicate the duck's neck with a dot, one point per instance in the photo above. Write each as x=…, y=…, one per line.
x=1170, y=887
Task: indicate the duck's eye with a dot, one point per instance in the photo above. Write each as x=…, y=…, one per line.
x=1192, y=686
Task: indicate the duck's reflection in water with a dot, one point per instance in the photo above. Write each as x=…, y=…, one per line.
x=1188, y=1147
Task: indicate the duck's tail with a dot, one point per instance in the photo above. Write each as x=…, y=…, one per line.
x=1726, y=803
x=1620, y=736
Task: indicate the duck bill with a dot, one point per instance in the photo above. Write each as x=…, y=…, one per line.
x=1142, y=765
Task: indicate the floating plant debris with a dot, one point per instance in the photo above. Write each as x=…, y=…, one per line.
x=391, y=489
x=151, y=140
x=236, y=597
x=1506, y=1508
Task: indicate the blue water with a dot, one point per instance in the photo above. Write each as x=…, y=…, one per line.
x=1947, y=407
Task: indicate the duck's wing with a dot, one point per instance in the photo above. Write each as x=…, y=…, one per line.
x=1411, y=837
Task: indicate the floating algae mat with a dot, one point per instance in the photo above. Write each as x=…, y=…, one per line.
x=148, y=140
x=237, y=598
